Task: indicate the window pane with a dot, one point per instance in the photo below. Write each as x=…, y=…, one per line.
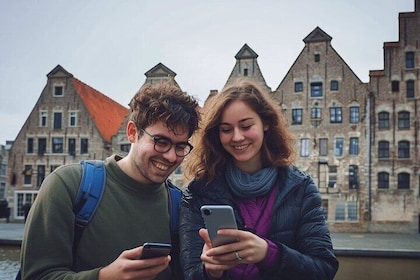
x=304, y=147
x=340, y=212
x=323, y=146
x=42, y=146
x=298, y=86
x=403, y=181
x=316, y=113
x=316, y=89
x=27, y=180
x=395, y=86
x=296, y=116
x=335, y=115
x=354, y=146
x=72, y=146
x=410, y=89
x=404, y=120
x=58, y=91
x=57, y=120
x=383, y=149
x=30, y=145
x=41, y=175
x=383, y=180
x=57, y=145
x=84, y=146
x=409, y=60
x=354, y=114
x=352, y=211
x=334, y=85
x=383, y=120
x=403, y=149
x=338, y=147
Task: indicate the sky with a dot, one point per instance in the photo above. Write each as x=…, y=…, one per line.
x=111, y=44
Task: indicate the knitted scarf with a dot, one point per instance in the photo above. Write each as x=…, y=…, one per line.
x=245, y=185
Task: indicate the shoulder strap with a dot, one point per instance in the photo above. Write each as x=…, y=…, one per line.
x=91, y=189
x=175, y=196
x=89, y=195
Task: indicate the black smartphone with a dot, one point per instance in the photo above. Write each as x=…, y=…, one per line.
x=219, y=217
x=154, y=250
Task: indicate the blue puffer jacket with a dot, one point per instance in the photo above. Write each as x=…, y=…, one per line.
x=298, y=227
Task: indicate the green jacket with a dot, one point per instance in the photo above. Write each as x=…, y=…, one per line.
x=129, y=214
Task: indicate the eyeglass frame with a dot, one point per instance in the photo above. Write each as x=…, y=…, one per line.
x=156, y=140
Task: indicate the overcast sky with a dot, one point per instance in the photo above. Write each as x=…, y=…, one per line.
x=110, y=44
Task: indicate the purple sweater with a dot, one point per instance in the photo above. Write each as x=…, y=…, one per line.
x=257, y=213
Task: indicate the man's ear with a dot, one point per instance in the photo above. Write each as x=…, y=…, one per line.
x=131, y=132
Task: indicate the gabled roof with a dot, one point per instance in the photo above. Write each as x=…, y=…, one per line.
x=106, y=113
x=160, y=70
x=246, y=52
x=317, y=35
x=160, y=73
x=59, y=72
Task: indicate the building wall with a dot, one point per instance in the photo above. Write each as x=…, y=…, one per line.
x=395, y=204
x=319, y=132
x=35, y=164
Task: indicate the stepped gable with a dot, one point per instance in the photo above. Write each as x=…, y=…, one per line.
x=106, y=113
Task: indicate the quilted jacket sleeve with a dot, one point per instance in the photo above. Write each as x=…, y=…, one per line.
x=303, y=236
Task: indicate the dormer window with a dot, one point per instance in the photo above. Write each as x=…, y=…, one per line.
x=246, y=72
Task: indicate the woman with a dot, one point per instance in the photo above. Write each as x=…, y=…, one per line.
x=244, y=159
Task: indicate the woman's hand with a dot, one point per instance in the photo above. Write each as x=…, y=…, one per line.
x=249, y=249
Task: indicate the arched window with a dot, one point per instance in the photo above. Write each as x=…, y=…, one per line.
x=383, y=149
x=383, y=180
x=403, y=181
x=403, y=149
x=383, y=120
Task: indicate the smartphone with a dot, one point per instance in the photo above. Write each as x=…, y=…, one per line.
x=219, y=217
x=154, y=250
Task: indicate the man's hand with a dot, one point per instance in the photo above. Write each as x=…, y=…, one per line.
x=129, y=266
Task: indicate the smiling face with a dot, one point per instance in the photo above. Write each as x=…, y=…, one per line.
x=143, y=162
x=241, y=133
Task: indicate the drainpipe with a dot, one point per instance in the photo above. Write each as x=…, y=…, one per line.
x=369, y=147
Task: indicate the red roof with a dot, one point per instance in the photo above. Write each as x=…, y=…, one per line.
x=106, y=113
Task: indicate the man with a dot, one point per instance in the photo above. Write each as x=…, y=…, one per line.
x=134, y=206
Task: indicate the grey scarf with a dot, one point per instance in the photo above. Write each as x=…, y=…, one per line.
x=246, y=185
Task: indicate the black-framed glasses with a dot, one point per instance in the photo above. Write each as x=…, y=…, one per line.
x=163, y=145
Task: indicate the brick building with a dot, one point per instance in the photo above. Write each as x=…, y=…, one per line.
x=359, y=141
x=394, y=106
x=70, y=122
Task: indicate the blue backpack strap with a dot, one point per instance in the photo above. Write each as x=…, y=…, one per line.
x=89, y=195
x=175, y=196
x=91, y=189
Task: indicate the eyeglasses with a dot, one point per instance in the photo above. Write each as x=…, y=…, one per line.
x=163, y=145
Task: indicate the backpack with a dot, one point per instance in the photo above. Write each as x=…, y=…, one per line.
x=89, y=194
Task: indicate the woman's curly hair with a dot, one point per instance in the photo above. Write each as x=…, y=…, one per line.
x=208, y=160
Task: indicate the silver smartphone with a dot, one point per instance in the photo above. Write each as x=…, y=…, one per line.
x=219, y=217
x=154, y=250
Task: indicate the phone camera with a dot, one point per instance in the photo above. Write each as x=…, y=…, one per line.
x=207, y=212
